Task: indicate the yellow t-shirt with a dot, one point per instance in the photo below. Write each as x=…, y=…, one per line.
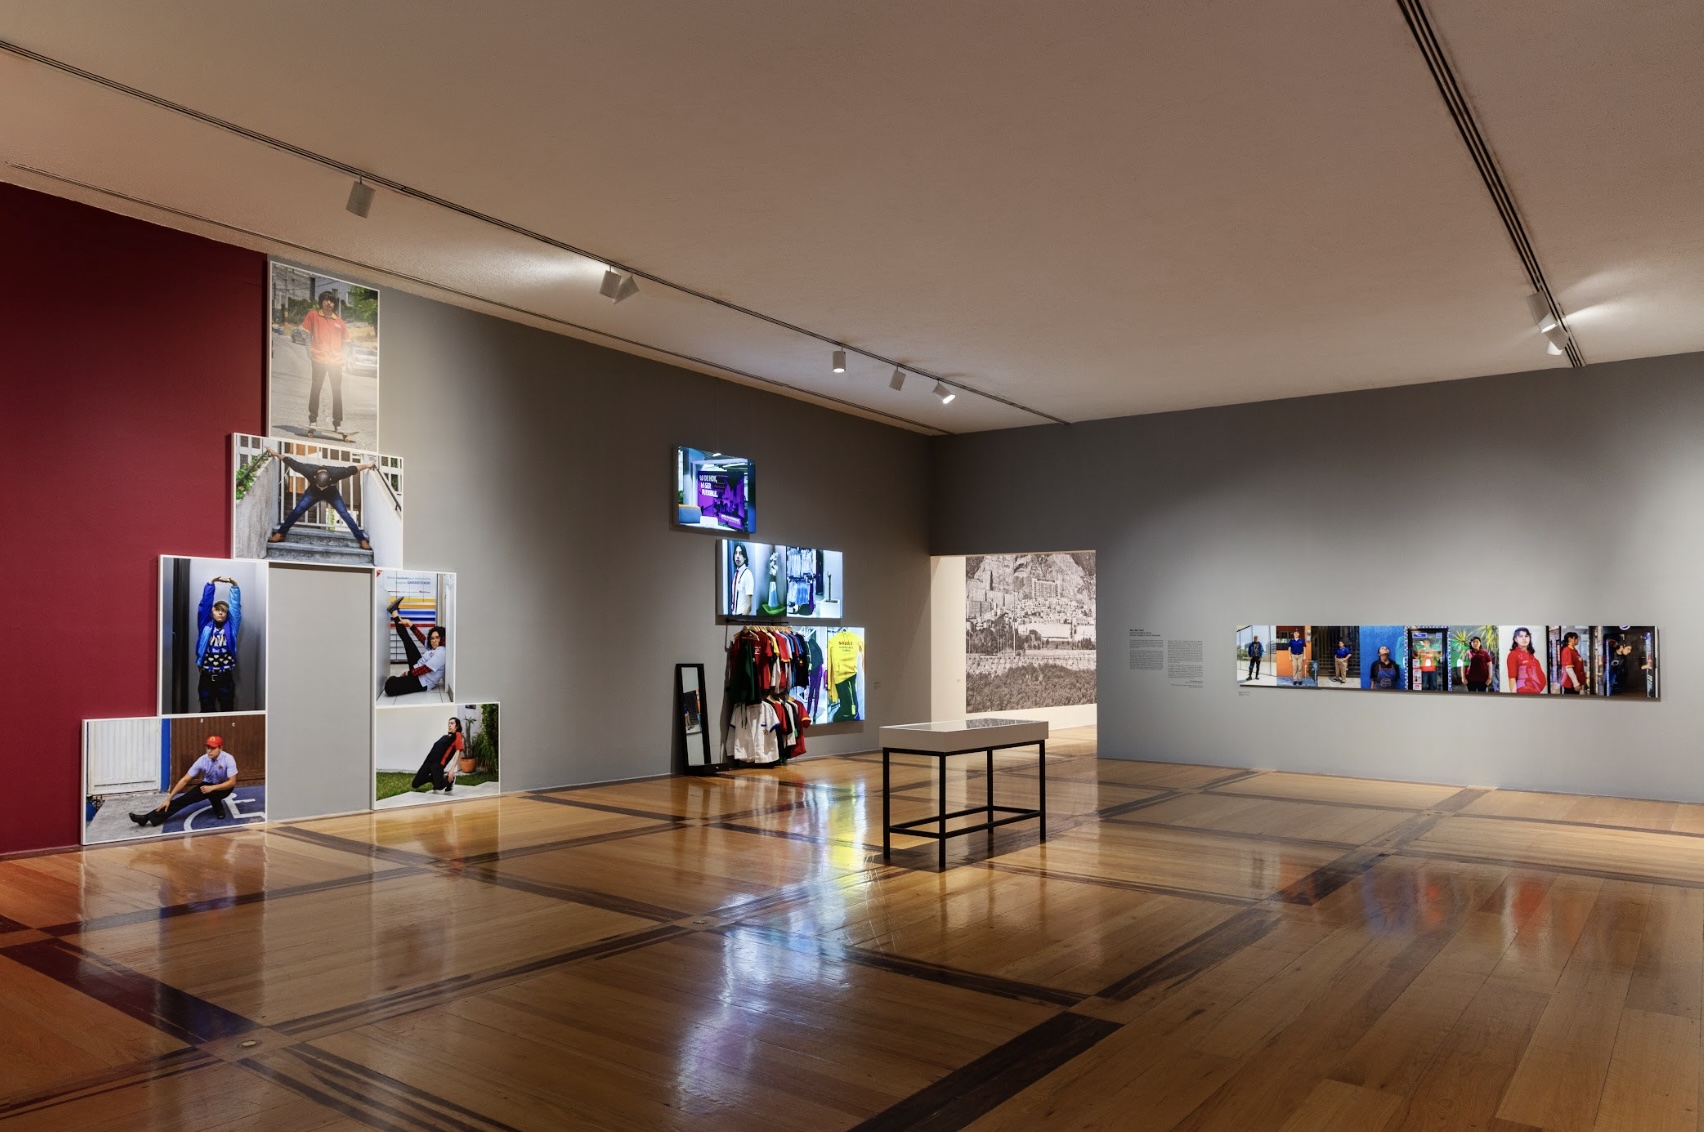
x=845, y=652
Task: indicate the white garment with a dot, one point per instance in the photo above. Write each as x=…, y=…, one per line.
x=433, y=660
x=751, y=734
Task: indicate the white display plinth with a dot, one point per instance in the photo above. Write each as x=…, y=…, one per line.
x=956, y=735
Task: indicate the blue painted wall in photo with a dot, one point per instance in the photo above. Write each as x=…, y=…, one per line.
x=1393, y=637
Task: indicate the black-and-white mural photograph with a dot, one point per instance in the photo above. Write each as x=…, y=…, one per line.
x=1029, y=630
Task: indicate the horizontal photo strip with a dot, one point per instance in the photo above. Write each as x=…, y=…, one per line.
x=1614, y=661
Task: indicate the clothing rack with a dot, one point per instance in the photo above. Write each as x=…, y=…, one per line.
x=763, y=721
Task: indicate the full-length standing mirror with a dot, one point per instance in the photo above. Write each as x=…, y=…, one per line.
x=691, y=726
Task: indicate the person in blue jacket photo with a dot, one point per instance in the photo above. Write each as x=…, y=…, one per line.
x=218, y=623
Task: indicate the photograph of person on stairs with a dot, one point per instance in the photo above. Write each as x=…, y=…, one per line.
x=296, y=501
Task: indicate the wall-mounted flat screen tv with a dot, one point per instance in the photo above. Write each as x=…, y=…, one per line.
x=715, y=491
x=758, y=581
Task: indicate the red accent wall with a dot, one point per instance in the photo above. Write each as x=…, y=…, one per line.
x=128, y=354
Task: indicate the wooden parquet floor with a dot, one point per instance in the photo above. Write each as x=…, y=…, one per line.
x=1193, y=948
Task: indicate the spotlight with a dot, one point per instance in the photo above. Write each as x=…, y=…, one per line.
x=839, y=365
x=616, y=286
x=1555, y=334
x=946, y=395
x=360, y=199
x=1540, y=312
x=897, y=381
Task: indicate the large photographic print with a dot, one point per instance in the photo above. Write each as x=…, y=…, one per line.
x=434, y=753
x=324, y=359
x=212, y=635
x=327, y=504
x=151, y=776
x=414, y=660
x=1029, y=631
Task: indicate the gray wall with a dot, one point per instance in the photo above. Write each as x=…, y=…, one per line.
x=1559, y=496
x=320, y=719
x=539, y=468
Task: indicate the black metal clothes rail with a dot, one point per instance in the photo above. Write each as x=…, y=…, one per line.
x=941, y=833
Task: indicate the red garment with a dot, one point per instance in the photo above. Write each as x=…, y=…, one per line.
x=326, y=334
x=1573, y=661
x=455, y=748
x=1526, y=674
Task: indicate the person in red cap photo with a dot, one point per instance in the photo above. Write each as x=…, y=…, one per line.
x=215, y=773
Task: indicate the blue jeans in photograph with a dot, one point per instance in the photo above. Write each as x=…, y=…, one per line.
x=336, y=500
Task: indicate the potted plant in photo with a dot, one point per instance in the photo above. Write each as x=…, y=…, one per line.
x=481, y=753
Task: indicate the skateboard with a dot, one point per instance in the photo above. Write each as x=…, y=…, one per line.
x=327, y=433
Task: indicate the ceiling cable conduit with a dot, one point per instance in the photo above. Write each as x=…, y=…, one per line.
x=1420, y=26
x=443, y=288
x=368, y=178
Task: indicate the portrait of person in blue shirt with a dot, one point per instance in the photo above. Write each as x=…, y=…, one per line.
x=210, y=779
x=213, y=628
x=218, y=623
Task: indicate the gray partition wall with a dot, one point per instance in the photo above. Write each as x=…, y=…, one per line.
x=1572, y=496
x=320, y=698
x=540, y=471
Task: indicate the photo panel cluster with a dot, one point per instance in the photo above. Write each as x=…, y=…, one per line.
x=1616, y=661
x=758, y=581
x=199, y=763
x=314, y=490
x=427, y=745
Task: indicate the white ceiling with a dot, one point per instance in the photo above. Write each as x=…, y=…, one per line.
x=1090, y=208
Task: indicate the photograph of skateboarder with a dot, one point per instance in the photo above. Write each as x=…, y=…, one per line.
x=325, y=358
x=327, y=334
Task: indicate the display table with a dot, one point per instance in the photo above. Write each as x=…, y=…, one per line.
x=962, y=737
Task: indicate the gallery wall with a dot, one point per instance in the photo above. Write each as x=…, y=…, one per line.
x=128, y=353
x=539, y=470
x=1571, y=495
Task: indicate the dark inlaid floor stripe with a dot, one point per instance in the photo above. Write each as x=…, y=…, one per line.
x=901, y=965
x=457, y=986
x=1592, y=825
x=628, y=811
x=1118, y=882
x=111, y=1080
x=794, y=835
x=608, y=901
x=490, y=856
x=359, y=848
x=8, y=925
x=1193, y=957
x=162, y=1006
x=331, y=1100
x=973, y=1090
x=1461, y=799
x=215, y=903
x=1235, y=834
x=1336, y=803
x=1541, y=867
x=372, y=1093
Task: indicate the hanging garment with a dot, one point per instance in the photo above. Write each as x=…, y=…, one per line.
x=751, y=734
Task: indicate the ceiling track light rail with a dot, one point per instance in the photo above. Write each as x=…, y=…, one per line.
x=1420, y=26
x=369, y=179
x=592, y=333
